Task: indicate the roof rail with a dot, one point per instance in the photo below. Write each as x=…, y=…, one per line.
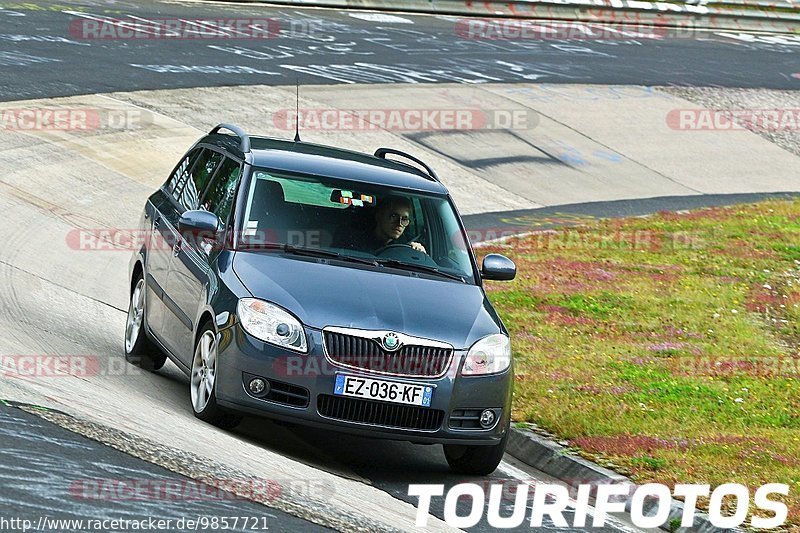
x=244, y=145
x=381, y=153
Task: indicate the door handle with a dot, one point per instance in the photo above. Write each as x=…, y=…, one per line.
x=157, y=223
x=177, y=248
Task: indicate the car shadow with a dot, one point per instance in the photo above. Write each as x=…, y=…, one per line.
x=350, y=456
x=382, y=462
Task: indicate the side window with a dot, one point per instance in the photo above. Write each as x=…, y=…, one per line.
x=219, y=199
x=200, y=176
x=181, y=173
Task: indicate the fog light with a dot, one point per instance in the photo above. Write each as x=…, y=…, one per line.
x=487, y=418
x=258, y=386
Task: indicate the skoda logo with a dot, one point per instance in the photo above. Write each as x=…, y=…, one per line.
x=390, y=341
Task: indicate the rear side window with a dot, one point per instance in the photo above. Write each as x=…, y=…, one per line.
x=219, y=199
x=181, y=174
x=199, y=178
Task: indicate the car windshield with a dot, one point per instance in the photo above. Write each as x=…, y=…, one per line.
x=389, y=227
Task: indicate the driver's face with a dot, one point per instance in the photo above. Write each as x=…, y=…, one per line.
x=392, y=222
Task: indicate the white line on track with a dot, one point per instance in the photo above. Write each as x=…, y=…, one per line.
x=381, y=17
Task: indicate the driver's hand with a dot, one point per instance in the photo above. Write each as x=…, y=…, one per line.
x=418, y=247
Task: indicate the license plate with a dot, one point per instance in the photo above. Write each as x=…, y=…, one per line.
x=383, y=390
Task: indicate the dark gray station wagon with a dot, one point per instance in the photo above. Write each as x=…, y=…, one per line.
x=323, y=287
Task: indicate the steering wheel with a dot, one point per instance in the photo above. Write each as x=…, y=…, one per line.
x=405, y=253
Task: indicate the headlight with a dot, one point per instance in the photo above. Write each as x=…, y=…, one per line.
x=489, y=355
x=271, y=324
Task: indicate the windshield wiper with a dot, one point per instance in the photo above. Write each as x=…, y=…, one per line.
x=422, y=268
x=310, y=252
x=316, y=252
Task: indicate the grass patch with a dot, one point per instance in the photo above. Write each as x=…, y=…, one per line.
x=789, y=252
x=648, y=463
x=599, y=306
x=668, y=346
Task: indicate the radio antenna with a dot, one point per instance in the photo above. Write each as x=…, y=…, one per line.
x=297, y=111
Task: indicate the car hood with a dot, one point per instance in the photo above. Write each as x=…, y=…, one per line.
x=321, y=294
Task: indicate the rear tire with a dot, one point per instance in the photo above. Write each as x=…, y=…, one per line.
x=475, y=460
x=203, y=383
x=139, y=350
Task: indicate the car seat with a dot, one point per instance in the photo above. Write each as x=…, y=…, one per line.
x=269, y=211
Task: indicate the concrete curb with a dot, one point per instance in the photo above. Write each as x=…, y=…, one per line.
x=555, y=460
x=628, y=12
x=766, y=5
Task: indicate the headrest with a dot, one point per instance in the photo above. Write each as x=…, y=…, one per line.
x=268, y=192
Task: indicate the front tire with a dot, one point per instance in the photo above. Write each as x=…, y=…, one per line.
x=203, y=381
x=475, y=460
x=139, y=350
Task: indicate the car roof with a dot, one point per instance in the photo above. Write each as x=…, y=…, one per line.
x=327, y=161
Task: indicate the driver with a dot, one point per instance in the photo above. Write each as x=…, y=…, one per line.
x=392, y=217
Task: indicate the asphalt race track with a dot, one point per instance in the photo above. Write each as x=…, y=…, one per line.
x=56, y=300
x=327, y=46
x=34, y=452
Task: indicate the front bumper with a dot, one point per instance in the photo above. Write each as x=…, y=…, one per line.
x=241, y=356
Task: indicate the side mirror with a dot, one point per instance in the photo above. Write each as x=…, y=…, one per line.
x=498, y=267
x=199, y=225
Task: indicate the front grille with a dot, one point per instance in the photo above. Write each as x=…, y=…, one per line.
x=367, y=354
x=466, y=419
x=379, y=413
